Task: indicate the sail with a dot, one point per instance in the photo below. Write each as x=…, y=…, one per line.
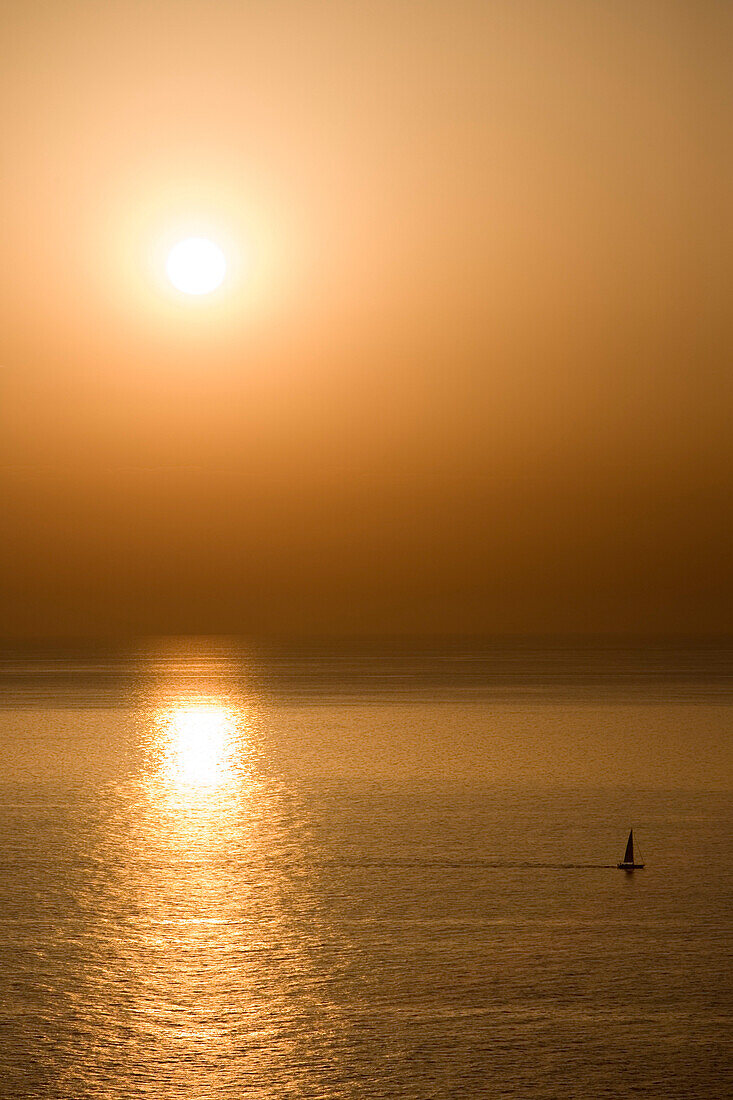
x=629, y=853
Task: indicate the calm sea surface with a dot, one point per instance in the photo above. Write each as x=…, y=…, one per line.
x=207, y=892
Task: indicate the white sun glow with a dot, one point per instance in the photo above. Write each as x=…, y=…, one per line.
x=200, y=744
x=196, y=266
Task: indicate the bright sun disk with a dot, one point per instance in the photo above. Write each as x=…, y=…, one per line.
x=196, y=266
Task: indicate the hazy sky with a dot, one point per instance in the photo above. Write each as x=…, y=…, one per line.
x=471, y=370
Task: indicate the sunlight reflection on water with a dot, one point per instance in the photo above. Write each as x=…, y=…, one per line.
x=200, y=743
x=198, y=777
x=207, y=897
x=199, y=786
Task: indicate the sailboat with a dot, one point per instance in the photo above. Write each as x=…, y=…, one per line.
x=627, y=863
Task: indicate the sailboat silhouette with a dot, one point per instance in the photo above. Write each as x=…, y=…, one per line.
x=627, y=863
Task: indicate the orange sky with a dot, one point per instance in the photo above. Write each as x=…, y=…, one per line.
x=471, y=370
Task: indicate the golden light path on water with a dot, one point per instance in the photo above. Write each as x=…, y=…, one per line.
x=201, y=880
x=200, y=786
x=199, y=744
x=220, y=954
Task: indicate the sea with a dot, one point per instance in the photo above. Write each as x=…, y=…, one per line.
x=381, y=872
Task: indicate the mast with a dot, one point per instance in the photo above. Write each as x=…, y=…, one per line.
x=629, y=853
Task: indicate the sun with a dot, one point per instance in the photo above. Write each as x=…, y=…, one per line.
x=196, y=266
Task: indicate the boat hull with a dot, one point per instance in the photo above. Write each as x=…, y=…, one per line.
x=630, y=866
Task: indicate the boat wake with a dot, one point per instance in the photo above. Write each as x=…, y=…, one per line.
x=494, y=864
